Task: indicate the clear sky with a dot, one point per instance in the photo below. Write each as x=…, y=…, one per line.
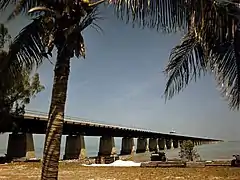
x=121, y=82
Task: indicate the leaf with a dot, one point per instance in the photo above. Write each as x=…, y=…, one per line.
x=27, y=49
x=22, y=6
x=40, y=8
x=226, y=68
x=79, y=46
x=212, y=27
x=164, y=15
x=74, y=39
x=187, y=62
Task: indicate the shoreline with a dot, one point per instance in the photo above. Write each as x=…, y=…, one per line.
x=74, y=171
x=170, y=163
x=137, y=158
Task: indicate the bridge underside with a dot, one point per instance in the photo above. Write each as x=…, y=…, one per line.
x=38, y=126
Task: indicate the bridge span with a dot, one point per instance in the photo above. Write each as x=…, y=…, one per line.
x=33, y=122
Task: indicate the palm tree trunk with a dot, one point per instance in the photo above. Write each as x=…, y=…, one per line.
x=55, y=119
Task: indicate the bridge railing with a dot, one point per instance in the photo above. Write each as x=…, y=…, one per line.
x=71, y=118
x=38, y=113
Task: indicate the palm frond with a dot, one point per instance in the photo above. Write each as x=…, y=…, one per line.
x=217, y=33
x=22, y=6
x=25, y=5
x=226, y=67
x=89, y=19
x=74, y=39
x=39, y=8
x=95, y=15
x=26, y=49
x=165, y=15
x=187, y=62
x=212, y=25
x=95, y=4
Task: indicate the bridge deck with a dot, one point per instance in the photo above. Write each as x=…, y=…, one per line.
x=37, y=122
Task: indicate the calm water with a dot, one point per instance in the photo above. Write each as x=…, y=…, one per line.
x=222, y=150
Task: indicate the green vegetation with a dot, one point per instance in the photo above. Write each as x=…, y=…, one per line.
x=15, y=92
x=23, y=90
x=188, y=152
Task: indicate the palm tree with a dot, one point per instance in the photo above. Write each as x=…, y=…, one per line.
x=211, y=44
x=54, y=25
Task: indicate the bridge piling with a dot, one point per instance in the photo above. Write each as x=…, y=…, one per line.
x=127, y=146
x=169, y=143
x=107, y=146
x=75, y=147
x=20, y=146
x=153, y=144
x=196, y=142
x=161, y=144
x=141, y=145
x=180, y=143
x=175, y=143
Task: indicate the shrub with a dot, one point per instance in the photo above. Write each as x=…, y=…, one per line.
x=188, y=152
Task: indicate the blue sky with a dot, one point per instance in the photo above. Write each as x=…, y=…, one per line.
x=121, y=82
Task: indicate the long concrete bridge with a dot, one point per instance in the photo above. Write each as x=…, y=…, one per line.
x=22, y=129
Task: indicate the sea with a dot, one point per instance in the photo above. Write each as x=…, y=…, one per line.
x=217, y=151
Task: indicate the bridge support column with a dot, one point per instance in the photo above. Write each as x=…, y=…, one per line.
x=20, y=146
x=175, y=143
x=107, y=146
x=169, y=143
x=75, y=147
x=161, y=144
x=153, y=144
x=127, y=146
x=180, y=143
x=141, y=145
x=195, y=142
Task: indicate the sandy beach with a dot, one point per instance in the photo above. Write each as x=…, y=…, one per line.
x=73, y=171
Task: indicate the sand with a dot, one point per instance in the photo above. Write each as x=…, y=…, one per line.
x=73, y=171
